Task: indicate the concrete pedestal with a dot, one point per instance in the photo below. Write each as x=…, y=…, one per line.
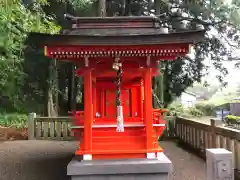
x=219, y=164
x=131, y=169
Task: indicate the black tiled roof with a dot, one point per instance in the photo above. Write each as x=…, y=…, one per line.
x=143, y=30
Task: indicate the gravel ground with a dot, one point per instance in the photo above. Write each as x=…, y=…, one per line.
x=186, y=166
x=35, y=160
x=47, y=160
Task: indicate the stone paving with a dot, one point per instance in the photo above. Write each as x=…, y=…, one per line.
x=47, y=160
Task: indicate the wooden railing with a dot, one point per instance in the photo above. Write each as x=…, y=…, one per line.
x=59, y=128
x=49, y=128
x=199, y=136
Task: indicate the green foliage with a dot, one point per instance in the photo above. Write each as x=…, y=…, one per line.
x=13, y=120
x=205, y=108
x=200, y=109
x=230, y=119
x=175, y=109
x=80, y=4
x=221, y=21
x=16, y=21
x=195, y=112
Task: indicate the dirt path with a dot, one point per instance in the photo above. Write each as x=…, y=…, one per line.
x=47, y=160
x=186, y=166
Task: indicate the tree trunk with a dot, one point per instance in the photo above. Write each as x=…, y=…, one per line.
x=52, y=89
x=162, y=87
x=157, y=7
x=102, y=8
x=159, y=83
x=74, y=89
x=56, y=89
x=62, y=87
x=70, y=86
x=149, y=6
x=82, y=91
x=166, y=82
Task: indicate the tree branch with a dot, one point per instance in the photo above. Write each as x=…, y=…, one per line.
x=229, y=43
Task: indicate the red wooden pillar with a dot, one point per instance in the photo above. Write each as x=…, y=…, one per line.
x=148, y=107
x=88, y=112
x=141, y=100
x=94, y=93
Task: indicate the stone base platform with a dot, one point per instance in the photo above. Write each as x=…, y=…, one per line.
x=129, y=169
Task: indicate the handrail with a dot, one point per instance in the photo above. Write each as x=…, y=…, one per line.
x=162, y=110
x=159, y=115
x=222, y=131
x=113, y=126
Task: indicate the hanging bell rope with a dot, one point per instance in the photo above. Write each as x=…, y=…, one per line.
x=118, y=66
x=118, y=82
x=120, y=126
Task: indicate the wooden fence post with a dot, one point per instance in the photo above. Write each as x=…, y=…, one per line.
x=213, y=134
x=31, y=126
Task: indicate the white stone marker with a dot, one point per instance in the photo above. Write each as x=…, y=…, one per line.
x=219, y=164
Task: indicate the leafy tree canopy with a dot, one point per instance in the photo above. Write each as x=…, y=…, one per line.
x=220, y=19
x=222, y=22
x=16, y=20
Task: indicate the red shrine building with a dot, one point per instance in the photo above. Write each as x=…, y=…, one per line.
x=117, y=57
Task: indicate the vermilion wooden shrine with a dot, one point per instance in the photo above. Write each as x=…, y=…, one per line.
x=117, y=57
